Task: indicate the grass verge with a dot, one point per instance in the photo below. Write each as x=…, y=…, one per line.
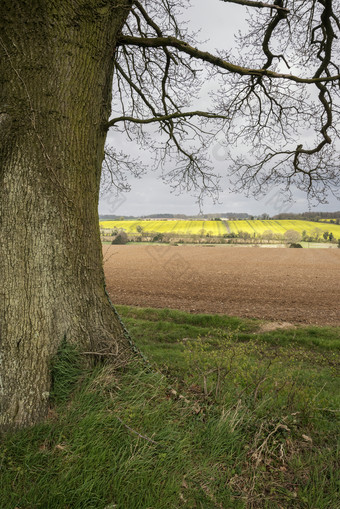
x=228, y=417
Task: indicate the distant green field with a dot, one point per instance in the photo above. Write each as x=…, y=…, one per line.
x=220, y=228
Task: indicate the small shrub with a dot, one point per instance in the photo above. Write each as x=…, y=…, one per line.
x=158, y=237
x=121, y=238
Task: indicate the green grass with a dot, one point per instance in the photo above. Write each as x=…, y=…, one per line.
x=227, y=416
x=317, y=245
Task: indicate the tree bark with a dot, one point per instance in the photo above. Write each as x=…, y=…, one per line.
x=56, y=67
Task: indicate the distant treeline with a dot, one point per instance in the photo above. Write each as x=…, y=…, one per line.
x=309, y=216
x=234, y=215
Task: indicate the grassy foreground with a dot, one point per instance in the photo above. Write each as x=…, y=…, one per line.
x=225, y=416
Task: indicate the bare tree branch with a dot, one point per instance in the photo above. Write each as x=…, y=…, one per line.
x=170, y=116
x=278, y=4
x=163, y=42
x=286, y=123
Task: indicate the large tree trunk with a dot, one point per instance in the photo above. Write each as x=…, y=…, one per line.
x=57, y=59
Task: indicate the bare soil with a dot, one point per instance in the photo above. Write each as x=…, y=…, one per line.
x=288, y=285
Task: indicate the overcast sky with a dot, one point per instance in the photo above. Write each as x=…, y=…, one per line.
x=218, y=22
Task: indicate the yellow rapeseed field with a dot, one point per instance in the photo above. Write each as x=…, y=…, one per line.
x=281, y=226
x=255, y=227
x=178, y=227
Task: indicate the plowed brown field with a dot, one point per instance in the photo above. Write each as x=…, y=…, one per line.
x=295, y=285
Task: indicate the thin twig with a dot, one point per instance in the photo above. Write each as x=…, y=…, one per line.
x=99, y=353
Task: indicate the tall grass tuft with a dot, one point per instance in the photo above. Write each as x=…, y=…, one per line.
x=66, y=369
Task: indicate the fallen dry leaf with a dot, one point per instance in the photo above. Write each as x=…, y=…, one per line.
x=184, y=398
x=184, y=484
x=60, y=447
x=196, y=408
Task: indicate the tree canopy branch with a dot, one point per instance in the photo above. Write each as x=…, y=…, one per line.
x=162, y=118
x=278, y=4
x=275, y=110
x=163, y=42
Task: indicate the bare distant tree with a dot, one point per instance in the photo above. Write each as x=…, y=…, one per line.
x=292, y=236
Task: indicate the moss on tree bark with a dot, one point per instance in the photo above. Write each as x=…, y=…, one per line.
x=56, y=68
